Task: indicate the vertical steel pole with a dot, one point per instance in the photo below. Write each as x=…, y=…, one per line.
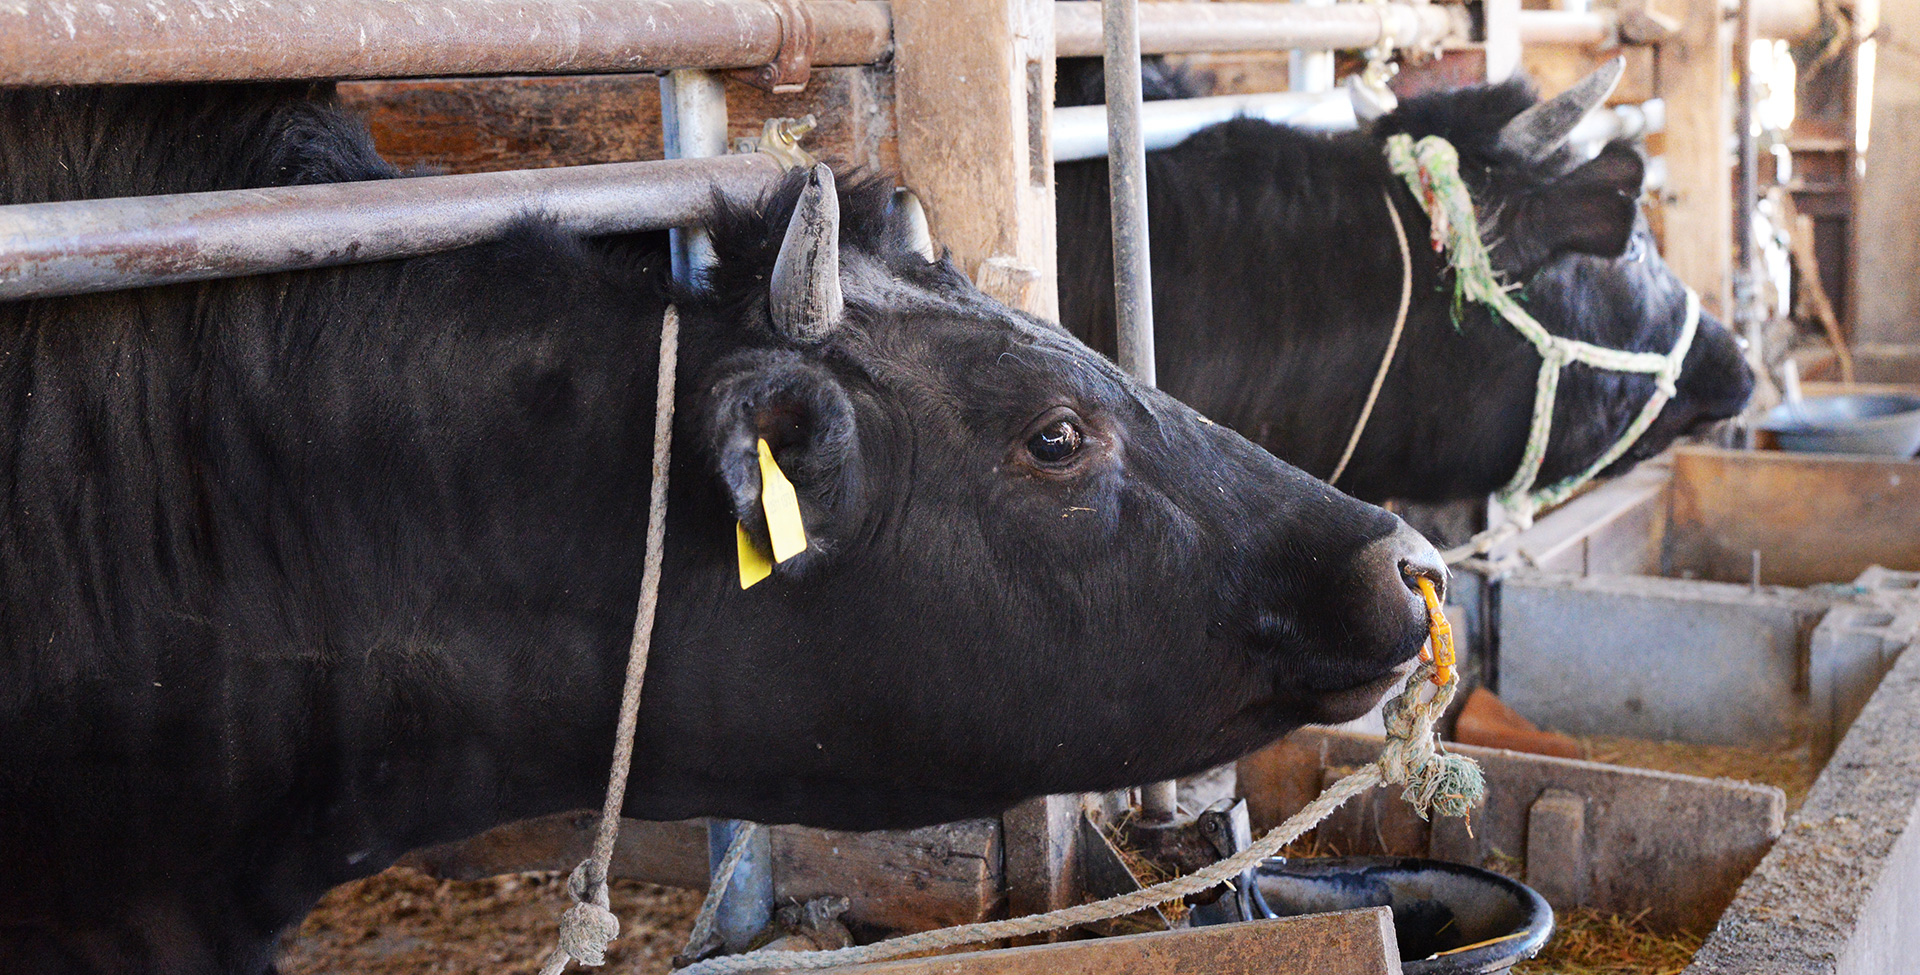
x=1310, y=69
x=693, y=122
x=1132, y=259
x=1127, y=190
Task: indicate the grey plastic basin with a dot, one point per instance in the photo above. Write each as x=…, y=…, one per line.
x=1855, y=423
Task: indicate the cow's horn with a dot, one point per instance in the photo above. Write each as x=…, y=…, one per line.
x=805, y=294
x=919, y=235
x=1535, y=133
x=1370, y=102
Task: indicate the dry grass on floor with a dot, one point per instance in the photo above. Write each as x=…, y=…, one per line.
x=403, y=922
x=1590, y=942
x=1791, y=770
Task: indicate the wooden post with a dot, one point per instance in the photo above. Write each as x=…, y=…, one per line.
x=974, y=92
x=1698, y=217
x=1041, y=841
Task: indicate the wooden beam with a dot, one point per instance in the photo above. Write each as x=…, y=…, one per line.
x=1042, y=839
x=1693, y=70
x=896, y=882
x=1813, y=518
x=674, y=853
x=974, y=88
x=468, y=125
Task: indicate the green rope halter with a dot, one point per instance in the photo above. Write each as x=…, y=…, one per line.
x=1431, y=168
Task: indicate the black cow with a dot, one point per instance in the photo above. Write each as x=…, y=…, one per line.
x=1277, y=278
x=305, y=570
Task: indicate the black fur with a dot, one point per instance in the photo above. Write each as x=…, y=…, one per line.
x=305, y=570
x=1276, y=280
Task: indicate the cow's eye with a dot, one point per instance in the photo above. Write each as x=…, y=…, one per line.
x=1056, y=443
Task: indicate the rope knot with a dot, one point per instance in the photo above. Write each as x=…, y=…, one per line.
x=589, y=926
x=1435, y=781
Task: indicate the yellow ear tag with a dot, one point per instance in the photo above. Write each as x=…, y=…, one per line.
x=754, y=565
x=782, y=505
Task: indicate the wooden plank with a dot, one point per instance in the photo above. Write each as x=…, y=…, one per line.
x=897, y=882
x=1042, y=855
x=1673, y=846
x=1887, y=273
x=673, y=853
x=1613, y=528
x=1698, y=205
x=974, y=86
x=1814, y=518
x=1347, y=943
x=466, y=125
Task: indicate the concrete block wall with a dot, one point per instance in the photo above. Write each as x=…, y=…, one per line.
x=1711, y=663
x=1839, y=893
x=1854, y=646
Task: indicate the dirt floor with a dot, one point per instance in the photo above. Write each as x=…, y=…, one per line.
x=404, y=922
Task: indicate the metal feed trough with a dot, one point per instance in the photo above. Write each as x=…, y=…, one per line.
x=1712, y=597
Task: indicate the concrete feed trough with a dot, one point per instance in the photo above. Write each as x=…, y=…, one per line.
x=1753, y=599
x=1635, y=611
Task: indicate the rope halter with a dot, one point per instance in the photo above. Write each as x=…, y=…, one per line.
x=1431, y=168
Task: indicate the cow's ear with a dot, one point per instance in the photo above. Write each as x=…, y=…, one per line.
x=1594, y=209
x=804, y=414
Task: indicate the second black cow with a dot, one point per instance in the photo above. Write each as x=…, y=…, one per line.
x=1277, y=279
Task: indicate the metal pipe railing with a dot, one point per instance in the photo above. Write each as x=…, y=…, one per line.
x=132, y=41
x=693, y=125
x=104, y=245
x=1080, y=132
x=1178, y=28
x=1192, y=28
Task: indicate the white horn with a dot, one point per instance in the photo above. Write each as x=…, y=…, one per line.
x=919, y=235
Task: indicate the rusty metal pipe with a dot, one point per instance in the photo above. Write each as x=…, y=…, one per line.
x=84, y=246
x=134, y=41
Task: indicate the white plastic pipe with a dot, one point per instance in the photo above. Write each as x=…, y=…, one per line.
x=1081, y=132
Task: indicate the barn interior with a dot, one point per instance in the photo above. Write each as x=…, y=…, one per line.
x=1688, y=686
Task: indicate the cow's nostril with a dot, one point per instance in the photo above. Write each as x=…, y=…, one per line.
x=1404, y=556
x=1411, y=572
x=1416, y=557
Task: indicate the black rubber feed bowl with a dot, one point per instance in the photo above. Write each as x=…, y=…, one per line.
x=1438, y=908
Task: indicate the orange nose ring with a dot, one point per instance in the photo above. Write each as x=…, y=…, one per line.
x=1439, y=648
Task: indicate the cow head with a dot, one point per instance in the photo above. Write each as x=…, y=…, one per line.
x=1569, y=231
x=1026, y=573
